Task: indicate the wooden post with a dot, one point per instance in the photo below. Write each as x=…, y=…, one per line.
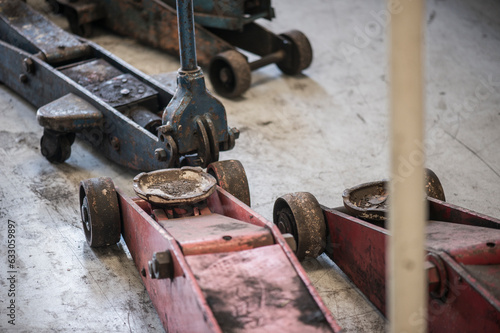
x=407, y=293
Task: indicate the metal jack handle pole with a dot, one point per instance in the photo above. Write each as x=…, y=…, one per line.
x=187, y=43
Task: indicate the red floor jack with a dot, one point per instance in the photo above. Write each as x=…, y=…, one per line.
x=209, y=263
x=463, y=251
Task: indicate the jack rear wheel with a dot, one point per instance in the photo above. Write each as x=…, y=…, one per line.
x=300, y=214
x=298, y=53
x=100, y=211
x=56, y=147
x=230, y=74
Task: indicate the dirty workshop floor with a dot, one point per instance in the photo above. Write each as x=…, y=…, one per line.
x=321, y=132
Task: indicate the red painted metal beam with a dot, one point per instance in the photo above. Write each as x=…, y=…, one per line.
x=195, y=283
x=444, y=211
x=179, y=301
x=232, y=207
x=214, y=233
x=467, y=245
x=257, y=290
x=358, y=248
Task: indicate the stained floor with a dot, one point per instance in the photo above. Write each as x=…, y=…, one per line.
x=320, y=132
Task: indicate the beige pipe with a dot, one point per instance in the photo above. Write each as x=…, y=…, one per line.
x=407, y=308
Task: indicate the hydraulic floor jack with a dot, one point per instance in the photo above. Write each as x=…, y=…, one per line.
x=82, y=89
x=463, y=251
x=222, y=27
x=209, y=263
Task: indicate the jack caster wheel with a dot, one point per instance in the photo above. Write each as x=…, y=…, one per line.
x=298, y=53
x=300, y=214
x=231, y=176
x=56, y=147
x=230, y=74
x=100, y=211
x=433, y=186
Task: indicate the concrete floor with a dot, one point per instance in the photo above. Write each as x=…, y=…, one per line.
x=321, y=132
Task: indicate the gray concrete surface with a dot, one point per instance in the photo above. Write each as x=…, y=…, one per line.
x=321, y=132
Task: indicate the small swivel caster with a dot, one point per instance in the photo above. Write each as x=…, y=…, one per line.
x=56, y=146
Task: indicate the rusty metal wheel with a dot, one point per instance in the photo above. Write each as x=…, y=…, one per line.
x=231, y=176
x=298, y=53
x=300, y=214
x=56, y=147
x=433, y=186
x=100, y=211
x=230, y=74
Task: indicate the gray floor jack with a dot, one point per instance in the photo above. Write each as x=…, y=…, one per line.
x=222, y=27
x=82, y=89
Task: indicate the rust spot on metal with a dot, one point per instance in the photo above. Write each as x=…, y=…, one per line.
x=115, y=143
x=124, y=89
x=91, y=72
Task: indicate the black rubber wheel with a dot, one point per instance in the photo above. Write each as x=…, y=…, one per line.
x=433, y=186
x=298, y=53
x=56, y=147
x=230, y=74
x=231, y=176
x=300, y=214
x=100, y=211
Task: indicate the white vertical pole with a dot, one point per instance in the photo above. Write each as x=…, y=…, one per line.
x=407, y=293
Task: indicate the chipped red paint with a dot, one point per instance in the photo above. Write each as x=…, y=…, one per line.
x=358, y=248
x=468, y=305
x=236, y=209
x=443, y=211
x=252, y=238
x=202, y=234
x=466, y=243
x=143, y=237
